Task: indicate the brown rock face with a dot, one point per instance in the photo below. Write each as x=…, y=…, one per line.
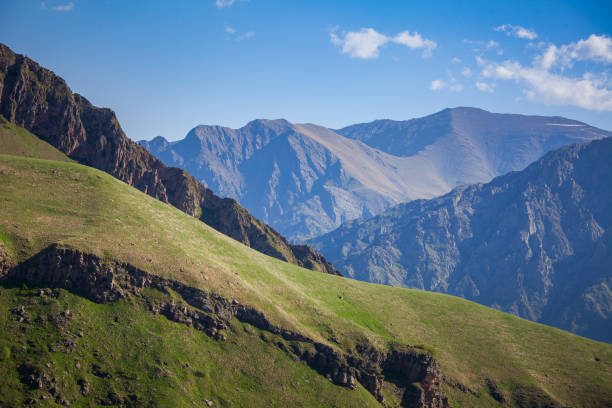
x=40, y=101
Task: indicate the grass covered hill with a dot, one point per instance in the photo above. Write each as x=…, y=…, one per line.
x=190, y=315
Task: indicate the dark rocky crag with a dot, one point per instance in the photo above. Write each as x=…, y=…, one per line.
x=536, y=243
x=40, y=101
x=106, y=281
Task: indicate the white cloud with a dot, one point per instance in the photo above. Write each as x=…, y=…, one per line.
x=360, y=44
x=467, y=72
x=484, y=87
x=64, y=7
x=517, y=31
x=597, y=48
x=437, y=84
x=224, y=3
x=588, y=91
x=456, y=87
x=415, y=41
x=367, y=42
x=455, y=60
x=492, y=44
x=551, y=78
x=230, y=30
x=548, y=58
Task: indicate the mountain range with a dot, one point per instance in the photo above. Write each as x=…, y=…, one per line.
x=40, y=101
x=305, y=180
x=536, y=243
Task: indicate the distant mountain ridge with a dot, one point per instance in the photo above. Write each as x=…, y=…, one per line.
x=306, y=180
x=40, y=101
x=536, y=243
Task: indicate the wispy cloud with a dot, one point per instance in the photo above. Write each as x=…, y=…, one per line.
x=62, y=7
x=366, y=43
x=456, y=87
x=517, y=31
x=415, y=41
x=455, y=60
x=484, y=87
x=481, y=47
x=452, y=84
x=245, y=36
x=467, y=72
x=236, y=35
x=437, y=84
x=224, y=3
x=546, y=80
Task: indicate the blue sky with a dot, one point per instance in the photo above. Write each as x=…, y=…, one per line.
x=166, y=66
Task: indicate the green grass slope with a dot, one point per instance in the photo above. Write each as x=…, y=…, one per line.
x=44, y=202
x=145, y=360
x=17, y=141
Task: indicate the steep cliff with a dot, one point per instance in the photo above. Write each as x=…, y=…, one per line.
x=40, y=101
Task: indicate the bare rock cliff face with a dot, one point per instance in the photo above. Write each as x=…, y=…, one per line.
x=40, y=101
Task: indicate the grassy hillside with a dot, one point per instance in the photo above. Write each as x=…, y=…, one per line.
x=144, y=360
x=44, y=202
x=17, y=141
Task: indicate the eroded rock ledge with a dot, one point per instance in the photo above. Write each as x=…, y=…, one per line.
x=106, y=281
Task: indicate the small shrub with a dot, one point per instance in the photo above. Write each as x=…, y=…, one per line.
x=5, y=353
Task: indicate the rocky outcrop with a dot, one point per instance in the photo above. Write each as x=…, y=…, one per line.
x=412, y=366
x=107, y=281
x=535, y=243
x=35, y=98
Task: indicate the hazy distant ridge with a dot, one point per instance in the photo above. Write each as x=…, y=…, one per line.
x=306, y=180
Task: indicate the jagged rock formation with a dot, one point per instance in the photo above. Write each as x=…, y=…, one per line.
x=40, y=101
x=535, y=243
x=104, y=281
x=306, y=180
